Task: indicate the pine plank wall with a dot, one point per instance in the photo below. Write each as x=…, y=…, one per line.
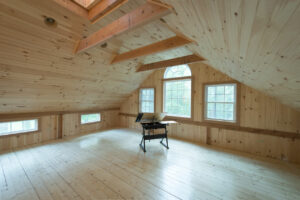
x=267, y=127
x=261, y=119
x=49, y=129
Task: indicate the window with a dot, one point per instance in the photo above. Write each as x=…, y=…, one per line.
x=90, y=118
x=220, y=102
x=147, y=100
x=14, y=127
x=85, y=3
x=177, y=91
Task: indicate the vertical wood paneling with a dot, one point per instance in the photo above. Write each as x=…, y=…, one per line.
x=257, y=110
x=72, y=126
x=49, y=129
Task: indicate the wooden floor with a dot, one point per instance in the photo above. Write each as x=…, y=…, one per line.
x=110, y=165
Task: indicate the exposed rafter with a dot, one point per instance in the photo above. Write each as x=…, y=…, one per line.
x=171, y=62
x=104, y=8
x=159, y=3
x=163, y=45
x=143, y=14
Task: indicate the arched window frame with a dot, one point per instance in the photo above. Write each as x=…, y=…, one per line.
x=188, y=74
x=181, y=78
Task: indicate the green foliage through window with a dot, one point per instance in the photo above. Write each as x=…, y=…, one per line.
x=147, y=100
x=9, y=128
x=220, y=102
x=177, y=93
x=90, y=118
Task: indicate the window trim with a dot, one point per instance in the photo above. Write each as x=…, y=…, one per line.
x=154, y=102
x=79, y=118
x=192, y=96
x=23, y=119
x=237, y=104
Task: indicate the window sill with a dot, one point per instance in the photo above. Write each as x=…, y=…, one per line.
x=178, y=117
x=18, y=134
x=90, y=123
x=215, y=121
x=147, y=112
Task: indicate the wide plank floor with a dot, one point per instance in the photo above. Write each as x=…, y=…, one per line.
x=110, y=165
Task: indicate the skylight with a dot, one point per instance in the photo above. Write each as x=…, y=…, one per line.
x=84, y=3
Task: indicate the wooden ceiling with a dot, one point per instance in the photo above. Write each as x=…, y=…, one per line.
x=255, y=42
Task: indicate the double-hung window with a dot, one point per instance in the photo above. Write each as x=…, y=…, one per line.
x=146, y=101
x=177, y=91
x=220, y=102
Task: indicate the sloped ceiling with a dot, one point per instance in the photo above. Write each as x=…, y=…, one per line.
x=40, y=73
x=255, y=42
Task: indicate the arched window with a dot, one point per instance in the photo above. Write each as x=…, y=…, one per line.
x=177, y=91
x=177, y=71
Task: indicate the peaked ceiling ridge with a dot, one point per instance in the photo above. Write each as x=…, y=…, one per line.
x=143, y=14
x=94, y=11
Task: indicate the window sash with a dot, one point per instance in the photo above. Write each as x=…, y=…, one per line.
x=90, y=118
x=16, y=127
x=224, y=103
x=146, y=103
x=178, y=95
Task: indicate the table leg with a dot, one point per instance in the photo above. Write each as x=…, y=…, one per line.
x=166, y=133
x=143, y=141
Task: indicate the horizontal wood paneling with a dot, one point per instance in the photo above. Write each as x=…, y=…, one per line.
x=262, y=118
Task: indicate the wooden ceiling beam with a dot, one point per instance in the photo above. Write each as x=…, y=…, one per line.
x=163, y=45
x=143, y=14
x=159, y=3
x=104, y=8
x=171, y=62
x=73, y=7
